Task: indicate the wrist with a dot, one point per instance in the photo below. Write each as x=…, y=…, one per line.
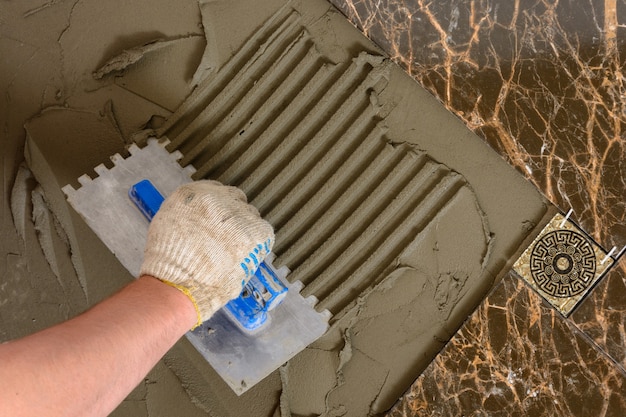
x=179, y=304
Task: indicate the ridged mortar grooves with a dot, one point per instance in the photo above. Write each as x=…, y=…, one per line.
x=305, y=139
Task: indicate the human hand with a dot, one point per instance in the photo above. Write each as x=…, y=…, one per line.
x=206, y=241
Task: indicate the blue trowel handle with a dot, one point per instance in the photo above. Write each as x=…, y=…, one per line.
x=262, y=293
x=146, y=197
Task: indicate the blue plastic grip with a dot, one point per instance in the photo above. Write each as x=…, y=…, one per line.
x=146, y=197
x=264, y=290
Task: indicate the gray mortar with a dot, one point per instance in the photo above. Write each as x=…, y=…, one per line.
x=53, y=266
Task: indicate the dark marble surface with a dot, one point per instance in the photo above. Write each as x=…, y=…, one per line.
x=516, y=357
x=543, y=82
x=602, y=315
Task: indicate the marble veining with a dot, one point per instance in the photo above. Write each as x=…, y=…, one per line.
x=602, y=315
x=516, y=357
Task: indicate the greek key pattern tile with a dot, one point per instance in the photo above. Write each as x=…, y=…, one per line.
x=563, y=264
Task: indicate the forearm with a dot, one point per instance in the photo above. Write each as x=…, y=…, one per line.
x=89, y=364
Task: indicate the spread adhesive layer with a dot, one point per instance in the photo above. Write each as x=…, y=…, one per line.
x=357, y=212
x=302, y=137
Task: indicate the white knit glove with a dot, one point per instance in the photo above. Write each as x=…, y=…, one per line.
x=206, y=241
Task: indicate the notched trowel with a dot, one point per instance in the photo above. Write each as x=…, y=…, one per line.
x=268, y=324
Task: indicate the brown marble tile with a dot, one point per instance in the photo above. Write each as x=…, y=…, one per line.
x=542, y=82
x=602, y=315
x=516, y=356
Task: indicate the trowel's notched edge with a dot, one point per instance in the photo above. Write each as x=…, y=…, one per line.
x=104, y=204
x=241, y=358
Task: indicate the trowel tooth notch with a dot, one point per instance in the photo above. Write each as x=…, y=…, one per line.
x=283, y=271
x=133, y=149
x=189, y=170
x=101, y=169
x=176, y=155
x=312, y=300
x=84, y=180
x=68, y=190
x=326, y=314
x=296, y=286
x=116, y=159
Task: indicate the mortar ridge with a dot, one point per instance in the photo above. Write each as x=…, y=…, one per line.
x=316, y=164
